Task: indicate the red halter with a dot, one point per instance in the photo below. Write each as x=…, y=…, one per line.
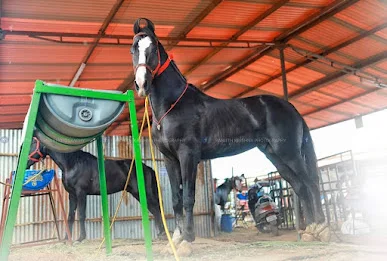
x=36, y=151
x=156, y=72
x=159, y=68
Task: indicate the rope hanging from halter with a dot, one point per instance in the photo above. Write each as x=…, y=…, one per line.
x=158, y=122
x=158, y=183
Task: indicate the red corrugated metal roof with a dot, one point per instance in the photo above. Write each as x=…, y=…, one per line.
x=328, y=33
x=286, y=17
x=24, y=59
x=365, y=14
x=365, y=48
x=228, y=89
x=229, y=13
x=342, y=89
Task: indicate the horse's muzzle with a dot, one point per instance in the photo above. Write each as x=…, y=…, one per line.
x=140, y=90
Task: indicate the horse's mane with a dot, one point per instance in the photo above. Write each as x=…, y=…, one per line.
x=79, y=156
x=226, y=182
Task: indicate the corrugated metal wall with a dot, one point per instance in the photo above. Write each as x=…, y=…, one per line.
x=35, y=219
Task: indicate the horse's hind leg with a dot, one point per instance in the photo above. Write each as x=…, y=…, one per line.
x=82, y=214
x=297, y=184
x=72, y=209
x=297, y=164
x=311, y=192
x=154, y=208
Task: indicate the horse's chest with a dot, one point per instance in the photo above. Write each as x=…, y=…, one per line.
x=164, y=142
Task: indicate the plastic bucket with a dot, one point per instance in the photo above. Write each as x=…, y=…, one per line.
x=37, y=183
x=226, y=223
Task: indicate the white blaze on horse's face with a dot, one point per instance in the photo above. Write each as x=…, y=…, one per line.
x=143, y=44
x=238, y=184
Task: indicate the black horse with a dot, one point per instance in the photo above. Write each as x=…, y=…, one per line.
x=222, y=191
x=190, y=126
x=80, y=178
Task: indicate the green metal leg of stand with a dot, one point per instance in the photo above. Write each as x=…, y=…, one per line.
x=18, y=179
x=140, y=177
x=104, y=198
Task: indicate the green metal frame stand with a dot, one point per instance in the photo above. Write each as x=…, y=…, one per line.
x=41, y=87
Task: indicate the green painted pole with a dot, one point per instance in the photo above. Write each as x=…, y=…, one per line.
x=104, y=197
x=140, y=176
x=19, y=177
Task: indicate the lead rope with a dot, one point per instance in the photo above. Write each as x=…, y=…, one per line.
x=158, y=183
x=123, y=194
x=37, y=174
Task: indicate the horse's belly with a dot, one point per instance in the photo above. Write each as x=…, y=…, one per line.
x=227, y=147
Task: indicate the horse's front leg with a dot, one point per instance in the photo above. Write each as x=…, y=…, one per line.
x=173, y=169
x=188, y=165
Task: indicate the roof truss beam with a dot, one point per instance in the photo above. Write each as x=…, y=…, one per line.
x=313, y=20
x=250, y=25
x=323, y=53
x=337, y=75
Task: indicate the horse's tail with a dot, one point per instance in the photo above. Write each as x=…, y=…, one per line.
x=308, y=152
x=125, y=196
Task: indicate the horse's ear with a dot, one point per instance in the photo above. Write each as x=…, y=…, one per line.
x=136, y=26
x=139, y=25
x=150, y=25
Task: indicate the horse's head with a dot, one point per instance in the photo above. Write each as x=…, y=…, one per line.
x=237, y=182
x=145, y=54
x=37, y=152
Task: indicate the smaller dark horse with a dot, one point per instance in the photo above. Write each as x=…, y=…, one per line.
x=80, y=178
x=222, y=191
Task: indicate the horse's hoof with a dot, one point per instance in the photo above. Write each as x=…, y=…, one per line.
x=164, y=251
x=162, y=236
x=310, y=228
x=323, y=233
x=306, y=237
x=167, y=250
x=185, y=249
x=80, y=240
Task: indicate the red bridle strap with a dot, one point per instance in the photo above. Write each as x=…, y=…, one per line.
x=36, y=151
x=159, y=68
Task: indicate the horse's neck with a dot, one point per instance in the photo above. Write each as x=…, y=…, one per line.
x=60, y=159
x=228, y=186
x=224, y=189
x=167, y=87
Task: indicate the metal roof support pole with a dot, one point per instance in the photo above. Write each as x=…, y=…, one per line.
x=283, y=72
x=285, y=88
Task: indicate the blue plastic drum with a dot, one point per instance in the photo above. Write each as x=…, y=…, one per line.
x=37, y=183
x=226, y=223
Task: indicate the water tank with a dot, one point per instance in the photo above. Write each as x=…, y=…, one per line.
x=68, y=123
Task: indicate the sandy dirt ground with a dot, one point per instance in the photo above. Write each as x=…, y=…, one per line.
x=241, y=244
